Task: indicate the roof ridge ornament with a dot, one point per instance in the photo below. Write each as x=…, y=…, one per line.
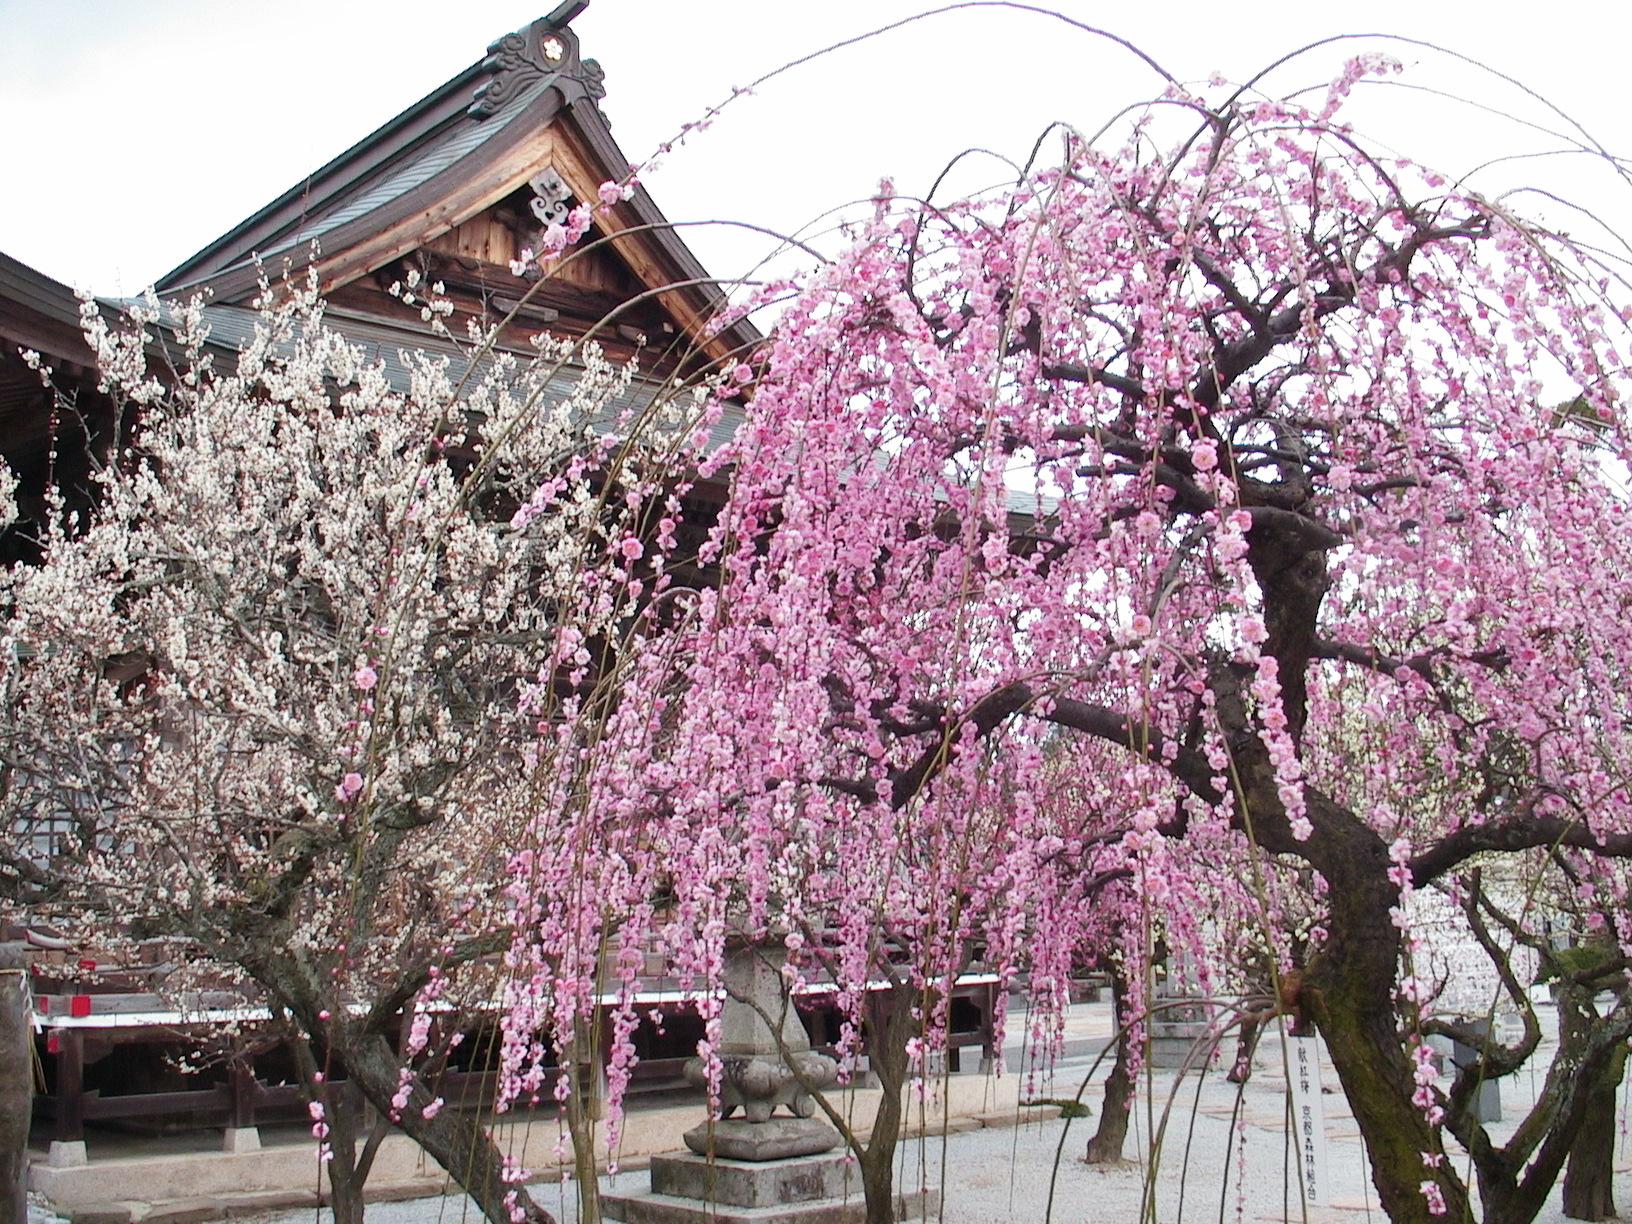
x=548, y=47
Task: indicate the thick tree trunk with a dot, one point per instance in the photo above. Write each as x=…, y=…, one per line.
x=1117, y=1106
x=1349, y=992
x=1589, y=1177
x=342, y=1106
x=346, y=1180
x=455, y=1138
x=888, y=1025
x=16, y=1084
x=1348, y=989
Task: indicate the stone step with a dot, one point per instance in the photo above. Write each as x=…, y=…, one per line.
x=193, y=1210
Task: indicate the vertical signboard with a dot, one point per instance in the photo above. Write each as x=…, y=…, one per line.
x=1309, y=1120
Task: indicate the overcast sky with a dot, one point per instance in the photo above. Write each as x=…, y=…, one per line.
x=135, y=131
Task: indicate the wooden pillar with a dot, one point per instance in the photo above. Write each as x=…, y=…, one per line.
x=16, y=1083
x=988, y=1029
x=244, y=1090
x=68, y=1143
x=70, y=1085
x=241, y=1134
x=602, y=1054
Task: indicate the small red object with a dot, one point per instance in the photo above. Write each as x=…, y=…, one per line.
x=53, y=1043
x=79, y=1005
x=88, y=965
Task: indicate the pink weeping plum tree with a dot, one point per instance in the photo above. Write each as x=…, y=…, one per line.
x=1198, y=516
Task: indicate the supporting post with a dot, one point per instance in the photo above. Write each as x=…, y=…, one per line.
x=241, y=1134
x=988, y=1029
x=68, y=1144
x=16, y=1083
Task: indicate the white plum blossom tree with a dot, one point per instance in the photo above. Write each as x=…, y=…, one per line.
x=263, y=700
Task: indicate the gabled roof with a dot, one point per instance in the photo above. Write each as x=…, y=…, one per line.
x=529, y=104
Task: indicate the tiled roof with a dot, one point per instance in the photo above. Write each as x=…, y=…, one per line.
x=427, y=163
x=392, y=346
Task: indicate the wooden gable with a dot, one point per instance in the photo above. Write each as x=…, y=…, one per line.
x=591, y=290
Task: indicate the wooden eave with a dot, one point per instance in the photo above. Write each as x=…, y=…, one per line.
x=41, y=314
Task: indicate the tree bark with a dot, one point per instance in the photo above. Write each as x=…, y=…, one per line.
x=580, y=1111
x=1589, y=1177
x=346, y=1179
x=1348, y=991
x=1115, y=1109
x=342, y=1112
x=887, y=1024
x=455, y=1138
x=16, y=1083
x=1348, y=988
x=1241, y=1069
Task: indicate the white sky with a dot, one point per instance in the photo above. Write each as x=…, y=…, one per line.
x=132, y=134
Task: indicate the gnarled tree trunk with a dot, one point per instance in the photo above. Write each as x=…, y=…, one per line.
x=347, y=1176
x=1589, y=1177
x=455, y=1138
x=1106, y=1145
x=1348, y=989
x=888, y=1025
x=1349, y=992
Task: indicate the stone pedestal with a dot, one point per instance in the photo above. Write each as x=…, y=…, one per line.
x=67, y=1154
x=1180, y=1043
x=772, y=1139
x=1487, y=1105
x=688, y=1189
x=241, y=1139
x=1180, y=1034
x=757, y=1167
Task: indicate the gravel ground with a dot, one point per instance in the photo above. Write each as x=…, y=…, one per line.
x=1003, y=1173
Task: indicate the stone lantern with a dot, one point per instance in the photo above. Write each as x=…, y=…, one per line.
x=754, y=1164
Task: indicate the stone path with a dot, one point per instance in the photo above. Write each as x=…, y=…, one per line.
x=1002, y=1165
x=1002, y=1169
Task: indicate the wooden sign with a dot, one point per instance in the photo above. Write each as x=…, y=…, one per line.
x=1309, y=1121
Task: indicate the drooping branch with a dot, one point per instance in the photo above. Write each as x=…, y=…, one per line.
x=1528, y=831
x=1099, y=721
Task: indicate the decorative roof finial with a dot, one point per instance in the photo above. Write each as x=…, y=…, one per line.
x=548, y=47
